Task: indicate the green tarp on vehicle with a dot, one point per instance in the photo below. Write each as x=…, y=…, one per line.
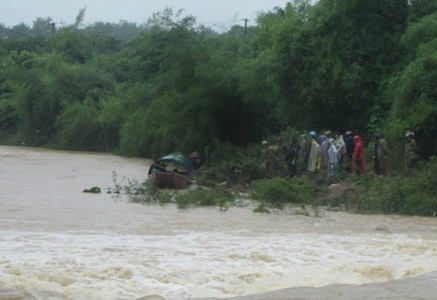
x=178, y=158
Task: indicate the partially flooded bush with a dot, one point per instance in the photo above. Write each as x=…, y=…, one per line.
x=147, y=193
x=205, y=197
x=278, y=191
x=140, y=192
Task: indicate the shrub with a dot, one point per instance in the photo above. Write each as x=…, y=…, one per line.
x=278, y=191
x=232, y=164
x=415, y=193
x=411, y=192
x=205, y=197
x=78, y=128
x=9, y=118
x=145, y=192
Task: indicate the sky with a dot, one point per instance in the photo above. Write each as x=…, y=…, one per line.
x=211, y=13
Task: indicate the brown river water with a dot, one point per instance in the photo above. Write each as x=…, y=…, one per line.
x=57, y=242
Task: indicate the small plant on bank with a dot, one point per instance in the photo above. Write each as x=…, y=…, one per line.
x=262, y=208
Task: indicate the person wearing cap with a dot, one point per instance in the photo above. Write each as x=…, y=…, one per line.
x=265, y=158
x=380, y=155
x=314, y=153
x=410, y=150
x=277, y=152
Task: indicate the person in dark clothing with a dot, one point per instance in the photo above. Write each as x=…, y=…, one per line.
x=350, y=147
x=291, y=157
x=350, y=144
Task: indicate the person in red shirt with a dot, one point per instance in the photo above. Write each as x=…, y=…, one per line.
x=358, y=156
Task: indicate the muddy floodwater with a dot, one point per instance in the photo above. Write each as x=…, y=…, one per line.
x=57, y=242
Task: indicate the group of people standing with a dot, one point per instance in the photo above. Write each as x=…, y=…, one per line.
x=331, y=152
x=347, y=150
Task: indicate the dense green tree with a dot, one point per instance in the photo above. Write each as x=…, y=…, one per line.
x=421, y=8
x=419, y=33
x=78, y=128
x=43, y=27
x=172, y=84
x=77, y=83
x=413, y=90
x=332, y=66
x=123, y=30
x=74, y=45
x=37, y=107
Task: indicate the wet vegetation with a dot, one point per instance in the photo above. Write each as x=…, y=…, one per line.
x=174, y=85
x=411, y=192
x=205, y=197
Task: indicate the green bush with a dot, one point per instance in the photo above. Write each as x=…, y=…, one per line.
x=278, y=191
x=231, y=164
x=411, y=192
x=78, y=128
x=371, y=195
x=415, y=193
x=9, y=118
x=205, y=197
x=139, y=192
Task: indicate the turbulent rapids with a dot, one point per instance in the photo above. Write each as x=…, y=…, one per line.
x=59, y=243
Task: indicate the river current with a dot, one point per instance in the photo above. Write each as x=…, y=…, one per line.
x=57, y=242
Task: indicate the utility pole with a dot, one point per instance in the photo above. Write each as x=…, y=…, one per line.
x=53, y=36
x=245, y=26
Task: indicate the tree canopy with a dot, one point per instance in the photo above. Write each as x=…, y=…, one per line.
x=174, y=85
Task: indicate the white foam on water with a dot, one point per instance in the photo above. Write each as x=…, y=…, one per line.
x=81, y=265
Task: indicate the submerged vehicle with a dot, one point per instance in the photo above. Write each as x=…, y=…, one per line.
x=171, y=171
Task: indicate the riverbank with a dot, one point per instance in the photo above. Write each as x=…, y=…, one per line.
x=238, y=176
x=238, y=171
x=405, y=192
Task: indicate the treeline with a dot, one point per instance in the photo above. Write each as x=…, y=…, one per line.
x=172, y=84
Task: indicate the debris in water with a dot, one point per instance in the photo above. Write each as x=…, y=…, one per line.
x=93, y=190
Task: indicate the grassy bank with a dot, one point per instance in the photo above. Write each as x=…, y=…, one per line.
x=408, y=192
x=235, y=173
